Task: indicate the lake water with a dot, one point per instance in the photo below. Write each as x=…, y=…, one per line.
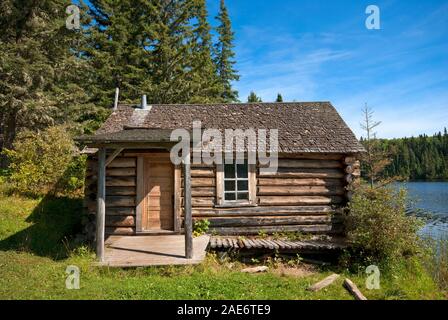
x=432, y=199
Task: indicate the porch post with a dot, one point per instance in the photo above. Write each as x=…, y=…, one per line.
x=188, y=224
x=101, y=204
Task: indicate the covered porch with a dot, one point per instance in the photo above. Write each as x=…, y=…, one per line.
x=148, y=202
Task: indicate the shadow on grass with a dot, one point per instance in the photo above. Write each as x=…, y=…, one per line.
x=55, y=221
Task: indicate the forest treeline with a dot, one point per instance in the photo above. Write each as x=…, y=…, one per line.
x=52, y=75
x=423, y=157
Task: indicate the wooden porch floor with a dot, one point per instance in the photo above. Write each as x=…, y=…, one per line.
x=140, y=251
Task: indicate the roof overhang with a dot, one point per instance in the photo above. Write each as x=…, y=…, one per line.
x=130, y=138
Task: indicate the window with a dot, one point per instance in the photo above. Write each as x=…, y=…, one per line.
x=236, y=182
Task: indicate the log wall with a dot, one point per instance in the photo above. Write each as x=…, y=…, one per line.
x=305, y=194
x=120, y=193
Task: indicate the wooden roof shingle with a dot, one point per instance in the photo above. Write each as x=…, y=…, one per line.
x=312, y=127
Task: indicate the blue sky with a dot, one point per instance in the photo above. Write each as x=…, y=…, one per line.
x=311, y=50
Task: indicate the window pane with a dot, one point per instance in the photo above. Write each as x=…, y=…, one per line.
x=229, y=185
x=230, y=196
x=243, y=196
x=242, y=170
x=229, y=171
x=242, y=185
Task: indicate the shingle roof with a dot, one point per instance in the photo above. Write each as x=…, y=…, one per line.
x=302, y=126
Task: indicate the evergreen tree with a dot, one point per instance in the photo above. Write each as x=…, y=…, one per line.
x=419, y=157
x=160, y=48
x=206, y=87
x=279, y=98
x=253, y=97
x=40, y=74
x=224, y=55
x=118, y=35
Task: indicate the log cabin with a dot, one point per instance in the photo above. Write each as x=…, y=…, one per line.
x=133, y=188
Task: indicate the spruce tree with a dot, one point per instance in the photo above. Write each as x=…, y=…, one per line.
x=224, y=55
x=160, y=48
x=253, y=98
x=40, y=74
x=117, y=38
x=279, y=98
x=205, y=84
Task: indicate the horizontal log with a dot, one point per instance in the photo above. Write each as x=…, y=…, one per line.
x=316, y=156
x=147, y=154
x=201, y=182
x=308, y=163
x=116, y=205
x=324, y=283
x=299, y=182
x=120, y=231
x=302, y=190
x=120, y=221
x=120, y=182
x=263, y=211
x=202, y=165
x=121, y=211
x=120, y=191
x=202, y=192
x=123, y=163
x=269, y=221
x=118, y=162
x=304, y=173
x=202, y=202
x=120, y=201
x=202, y=172
x=313, y=229
x=121, y=172
x=255, y=269
x=116, y=172
x=299, y=200
x=353, y=289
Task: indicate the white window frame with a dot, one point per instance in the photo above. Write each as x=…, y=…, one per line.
x=220, y=188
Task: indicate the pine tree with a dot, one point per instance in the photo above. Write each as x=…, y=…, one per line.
x=253, y=97
x=224, y=55
x=279, y=98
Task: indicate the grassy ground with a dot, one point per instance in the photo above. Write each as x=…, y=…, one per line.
x=34, y=257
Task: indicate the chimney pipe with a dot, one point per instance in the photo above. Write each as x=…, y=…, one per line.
x=144, y=106
x=117, y=91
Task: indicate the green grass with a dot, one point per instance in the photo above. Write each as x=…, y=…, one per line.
x=36, y=248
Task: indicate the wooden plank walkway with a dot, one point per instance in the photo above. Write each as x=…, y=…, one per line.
x=239, y=243
x=140, y=251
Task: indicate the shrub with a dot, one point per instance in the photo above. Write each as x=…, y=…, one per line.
x=200, y=227
x=437, y=261
x=378, y=227
x=45, y=163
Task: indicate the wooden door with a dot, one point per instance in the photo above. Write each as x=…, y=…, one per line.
x=158, y=207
